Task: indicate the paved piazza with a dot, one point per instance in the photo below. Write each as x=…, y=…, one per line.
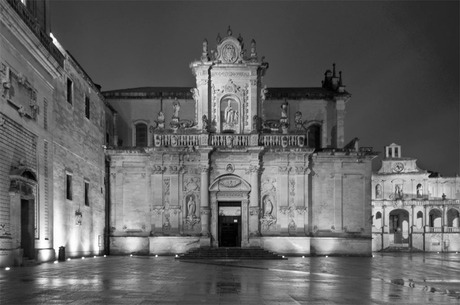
x=383, y=279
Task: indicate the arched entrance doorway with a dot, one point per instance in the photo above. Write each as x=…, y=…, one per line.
x=399, y=226
x=22, y=191
x=229, y=196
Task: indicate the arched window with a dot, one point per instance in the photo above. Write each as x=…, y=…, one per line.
x=378, y=191
x=419, y=220
x=314, y=136
x=141, y=135
x=377, y=221
x=435, y=218
x=419, y=190
x=452, y=218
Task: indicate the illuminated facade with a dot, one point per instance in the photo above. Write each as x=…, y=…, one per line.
x=411, y=209
x=52, y=132
x=231, y=163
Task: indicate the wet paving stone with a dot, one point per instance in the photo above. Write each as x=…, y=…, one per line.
x=383, y=279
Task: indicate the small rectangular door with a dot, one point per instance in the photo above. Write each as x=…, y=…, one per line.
x=27, y=228
x=229, y=231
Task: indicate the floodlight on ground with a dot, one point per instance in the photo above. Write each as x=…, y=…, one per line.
x=177, y=255
x=303, y=256
x=55, y=262
x=7, y=268
x=327, y=256
x=131, y=255
x=94, y=256
x=69, y=259
x=105, y=255
x=156, y=255
x=82, y=257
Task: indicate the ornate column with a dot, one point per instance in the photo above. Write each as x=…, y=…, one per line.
x=340, y=108
x=157, y=208
x=205, y=211
x=244, y=225
x=254, y=202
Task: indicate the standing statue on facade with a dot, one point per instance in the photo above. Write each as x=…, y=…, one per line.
x=230, y=114
x=205, y=123
x=161, y=120
x=268, y=206
x=176, y=109
x=191, y=205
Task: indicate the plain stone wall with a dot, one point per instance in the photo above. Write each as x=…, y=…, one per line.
x=286, y=245
x=78, y=151
x=169, y=245
x=340, y=246
x=376, y=242
x=129, y=245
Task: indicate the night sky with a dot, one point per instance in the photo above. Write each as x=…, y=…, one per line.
x=400, y=60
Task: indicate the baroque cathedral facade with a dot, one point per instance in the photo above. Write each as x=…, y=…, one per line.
x=232, y=163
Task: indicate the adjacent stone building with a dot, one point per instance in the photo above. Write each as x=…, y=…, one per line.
x=52, y=132
x=232, y=163
x=413, y=209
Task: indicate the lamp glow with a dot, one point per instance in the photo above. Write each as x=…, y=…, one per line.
x=7, y=268
x=55, y=262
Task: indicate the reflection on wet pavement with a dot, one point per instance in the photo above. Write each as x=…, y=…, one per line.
x=384, y=279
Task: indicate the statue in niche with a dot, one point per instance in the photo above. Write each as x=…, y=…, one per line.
x=231, y=115
x=205, y=122
x=399, y=192
x=268, y=206
x=191, y=207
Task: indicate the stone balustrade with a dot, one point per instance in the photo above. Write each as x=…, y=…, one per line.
x=180, y=140
x=228, y=140
x=283, y=140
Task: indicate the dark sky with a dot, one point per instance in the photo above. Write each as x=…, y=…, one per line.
x=400, y=60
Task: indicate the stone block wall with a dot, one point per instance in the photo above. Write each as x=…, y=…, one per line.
x=78, y=152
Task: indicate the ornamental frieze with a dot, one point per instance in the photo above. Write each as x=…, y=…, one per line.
x=158, y=209
x=254, y=211
x=192, y=184
x=239, y=74
x=230, y=182
x=205, y=211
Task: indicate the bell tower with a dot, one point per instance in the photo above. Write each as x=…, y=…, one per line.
x=228, y=86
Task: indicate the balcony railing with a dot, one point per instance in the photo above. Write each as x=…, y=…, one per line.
x=283, y=140
x=433, y=229
x=452, y=230
x=177, y=140
x=228, y=140
x=35, y=27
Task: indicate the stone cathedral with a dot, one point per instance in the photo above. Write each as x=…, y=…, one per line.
x=232, y=163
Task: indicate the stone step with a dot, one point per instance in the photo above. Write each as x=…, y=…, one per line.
x=233, y=253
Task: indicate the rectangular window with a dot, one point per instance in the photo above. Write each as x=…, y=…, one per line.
x=87, y=193
x=87, y=107
x=45, y=114
x=69, y=91
x=69, y=186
